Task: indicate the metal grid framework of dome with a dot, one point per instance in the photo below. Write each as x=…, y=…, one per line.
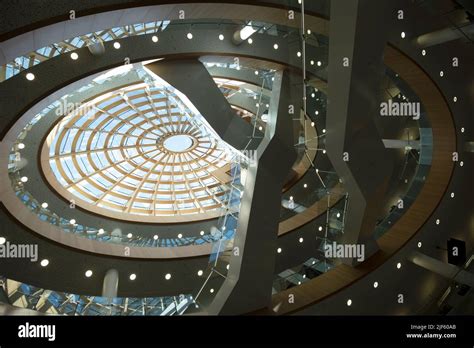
x=138, y=150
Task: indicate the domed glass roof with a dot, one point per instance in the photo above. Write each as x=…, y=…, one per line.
x=140, y=150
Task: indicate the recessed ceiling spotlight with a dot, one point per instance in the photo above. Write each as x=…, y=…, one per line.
x=154, y=38
x=301, y=240
x=402, y=34
x=319, y=63
x=24, y=179
x=101, y=231
x=200, y=272
x=313, y=95
x=201, y=233
x=455, y=99
x=168, y=276
x=298, y=54
x=211, y=291
x=311, y=62
x=462, y=129
x=419, y=244
x=437, y=222
x=44, y=205
x=305, y=185
x=275, y=46
x=155, y=237
x=180, y=236
x=228, y=266
x=320, y=228
x=256, y=72
x=221, y=37
x=117, y=45
x=133, y=276
x=44, y=262
x=260, y=128
x=324, y=130
x=279, y=250
x=72, y=221
x=312, y=124
x=452, y=194
x=441, y=73
x=88, y=273
x=461, y=163
x=316, y=112
x=423, y=52
x=250, y=41
x=308, y=31
x=376, y=284
x=338, y=215
x=30, y=76
x=399, y=265
x=129, y=235
x=189, y=36
x=324, y=151
x=349, y=302
x=21, y=146
x=74, y=56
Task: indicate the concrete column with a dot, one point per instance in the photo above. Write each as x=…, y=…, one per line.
x=251, y=271
x=110, y=285
x=358, y=32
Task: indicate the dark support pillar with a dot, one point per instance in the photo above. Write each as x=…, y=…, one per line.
x=207, y=98
x=252, y=262
x=358, y=35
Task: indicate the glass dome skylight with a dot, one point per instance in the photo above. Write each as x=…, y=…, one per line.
x=138, y=150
